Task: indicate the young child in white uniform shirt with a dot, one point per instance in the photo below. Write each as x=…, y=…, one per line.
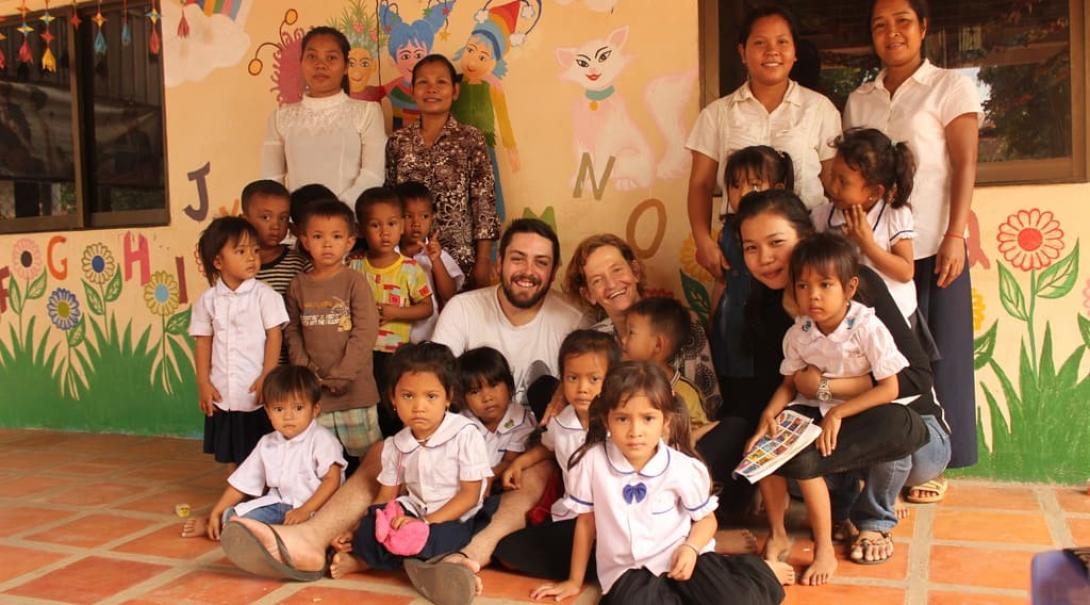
x=649, y=506
x=237, y=324
x=487, y=387
x=586, y=356
x=419, y=243
x=293, y=470
x=437, y=467
x=842, y=338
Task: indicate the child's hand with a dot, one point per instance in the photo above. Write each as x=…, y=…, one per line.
x=342, y=542
x=256, y=388
x=214, y=525
x=856, y=226
x=830, y=426
x=404, y=520
x=766, y=427
x=295, y=516
x=512, y=477
x=207, y=395
x=434, y=251
x=682, y=563
x=563, y=590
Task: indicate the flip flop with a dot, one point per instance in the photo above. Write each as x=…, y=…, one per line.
x=245, y=550
x=863, y=543
x=938, y=486
x=442, y=583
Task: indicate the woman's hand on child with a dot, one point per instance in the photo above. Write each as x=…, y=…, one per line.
x=403, y=520
x=556, y=405
x=563, y=590
x=208, y=394
x=830, y=427
x=856, y=226
x=807, y=381
x=295, y=516
x=682, y=563
x=512, y=477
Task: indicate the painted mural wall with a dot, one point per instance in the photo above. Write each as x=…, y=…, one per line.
x=586, y=115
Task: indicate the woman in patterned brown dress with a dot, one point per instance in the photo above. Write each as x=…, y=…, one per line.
x=452, y=160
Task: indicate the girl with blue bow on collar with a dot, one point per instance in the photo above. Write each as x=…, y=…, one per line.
x=647, y=507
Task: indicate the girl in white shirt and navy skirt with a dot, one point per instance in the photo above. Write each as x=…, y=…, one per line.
x=436, y=468
x=649, y=506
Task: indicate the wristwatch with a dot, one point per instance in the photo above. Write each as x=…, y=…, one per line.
x=823, y=393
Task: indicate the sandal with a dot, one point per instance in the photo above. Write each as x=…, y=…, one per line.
x=246, y=551
x=860, y=546
x=442, y=583
x=937, y=487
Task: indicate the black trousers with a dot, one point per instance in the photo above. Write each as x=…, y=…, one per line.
x=949, y=314
x=542, y=551
x=738, y=580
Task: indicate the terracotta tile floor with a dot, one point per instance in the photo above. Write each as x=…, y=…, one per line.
x=84, y=519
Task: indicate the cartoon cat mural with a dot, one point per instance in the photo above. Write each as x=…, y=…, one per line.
x=602, y=125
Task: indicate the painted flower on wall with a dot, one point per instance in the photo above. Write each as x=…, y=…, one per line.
x=63, y=309
x=26, y=259
x=687, y=258
x=161, y=293
x=1030, y=239
x=98, y=263
x=978, y=310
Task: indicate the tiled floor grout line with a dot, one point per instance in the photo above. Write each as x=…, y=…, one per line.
x=980, y=590
x=1054, y=517
x=919, y=558
x=177, y=569
x=1011, y=546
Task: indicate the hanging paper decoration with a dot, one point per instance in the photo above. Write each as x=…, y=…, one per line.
x=49, y=62
x=100, y=39
x=153, y=39
x=74, y=19
x=126, y=31
x=183, y=25
x=24, y=49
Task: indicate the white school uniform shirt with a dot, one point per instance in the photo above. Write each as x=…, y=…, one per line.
x=431, y=471
x=564, y=435
x=918, y=114
x=860, y=345
x=291, y=469
x=237, y=320
x=422, y=329
x=474, y=319
x=890, y=225
x=336, y=141
x=511, y=433
x=803, y=125
x=641, y=517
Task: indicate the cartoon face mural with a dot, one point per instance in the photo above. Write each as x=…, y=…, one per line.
x=360, y=28
x=360, y=67
x=407, y=43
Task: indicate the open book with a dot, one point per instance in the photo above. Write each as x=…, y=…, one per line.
x=794, y=433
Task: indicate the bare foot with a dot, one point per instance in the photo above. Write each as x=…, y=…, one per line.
x=735, y=542
x=784, y=572
x=305, y=556
x=778, y=547
x=195, y=527
x=821, y=570
x=344, y=564
x=460, y=559
x=900, y=509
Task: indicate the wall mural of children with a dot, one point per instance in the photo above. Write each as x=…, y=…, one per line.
x=483, y=63
x=407, y=43
x=359, y=26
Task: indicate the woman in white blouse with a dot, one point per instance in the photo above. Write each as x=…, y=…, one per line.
x=769, y=109
x=938, y=113
x=327, y=138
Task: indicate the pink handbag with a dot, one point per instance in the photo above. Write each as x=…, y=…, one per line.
x=405, y=541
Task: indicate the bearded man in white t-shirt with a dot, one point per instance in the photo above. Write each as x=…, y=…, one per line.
x=526, y=322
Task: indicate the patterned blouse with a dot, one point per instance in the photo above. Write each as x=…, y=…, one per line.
x=458, y=172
